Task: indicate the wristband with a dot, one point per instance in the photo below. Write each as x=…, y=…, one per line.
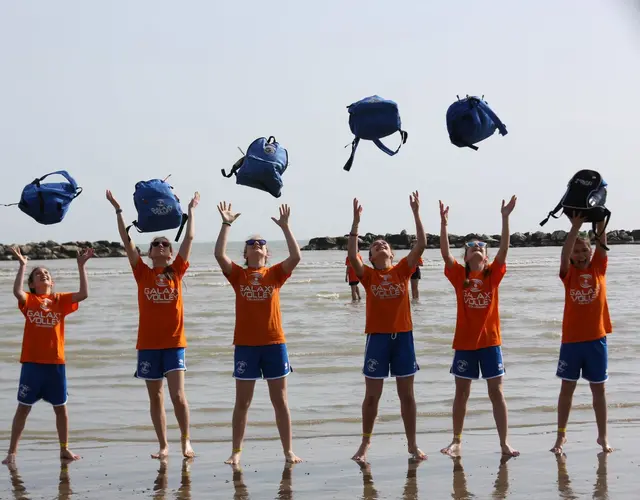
x=353, y=234
x=118, y=211
x=225, y=223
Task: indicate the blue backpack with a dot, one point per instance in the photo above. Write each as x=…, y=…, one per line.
x=471, y=120
x=373, y=118
x=262, y=167
x=158, y=208
x=48, y=203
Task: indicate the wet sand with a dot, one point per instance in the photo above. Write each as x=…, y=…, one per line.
x=121, y=470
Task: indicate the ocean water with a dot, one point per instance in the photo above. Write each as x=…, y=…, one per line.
x=325, y=337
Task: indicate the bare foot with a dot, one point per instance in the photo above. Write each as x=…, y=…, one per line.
x=509, y=451
x=560, y=442
x=601, y=441
x=291, y=458
x=161, y=455
x=453, y=450
x=361, y=454
x=187, y=450
x=416, y=453
x=234, y=459
x=67, y=455
x=10, y=460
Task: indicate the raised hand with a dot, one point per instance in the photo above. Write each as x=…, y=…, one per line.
x=84, y=255
x=18, y=255
x=414, y=202
x=508, y=208
x=444, y=214
x=112, y=200
x=357, y=211
x=226, y=213
x=195, y=200
x=283, y=221
x=578, y=219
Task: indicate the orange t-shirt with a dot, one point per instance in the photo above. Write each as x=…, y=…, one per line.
x=161, y=312
x=258, y=317
x=478, y=316
x=352, y=273
x=388, y=307
x=586, y=312
x=43, y=340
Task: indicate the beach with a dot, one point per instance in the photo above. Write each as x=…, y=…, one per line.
x=110, y=426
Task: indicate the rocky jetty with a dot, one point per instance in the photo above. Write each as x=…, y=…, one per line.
x=48, y=250
x=403, y=240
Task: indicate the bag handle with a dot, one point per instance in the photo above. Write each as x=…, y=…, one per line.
x=64, y=174
x=382, y=147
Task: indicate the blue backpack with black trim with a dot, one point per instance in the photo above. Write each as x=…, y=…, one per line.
x=373, y=118
x=158, y=208
x=48, y=203
x=470, y=121
x=262, y=167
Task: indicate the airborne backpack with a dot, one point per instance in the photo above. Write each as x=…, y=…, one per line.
x=158, y=208
x=586, y=193
x=470, y=121
x=262, y=167
x=373, y=118
x=47, y=203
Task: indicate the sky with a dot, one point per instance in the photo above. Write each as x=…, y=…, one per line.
x=117, y=92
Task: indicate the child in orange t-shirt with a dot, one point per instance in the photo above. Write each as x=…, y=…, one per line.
x=43, y=374
x=477, y=341
x=260, y=345
x=161, y=339
x=585, y=326
x=352, y=279
x=389, y=346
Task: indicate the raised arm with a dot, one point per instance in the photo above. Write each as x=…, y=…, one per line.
x=129, y=245
x=416, y=252
x=447, y=256
x=83, y=293
x=352, y=245
x=601, y=243
x=505, y=238
x=18, y=291
x=567, y=249
x=220, y=252
x=290, y=263
x=185, y=247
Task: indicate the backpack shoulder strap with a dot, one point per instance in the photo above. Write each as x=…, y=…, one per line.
x=354, y=146
x=553, y=213
x=185, y=217
x=607, y=217
x=382, y=147
x=234, y=169
x=501, y=128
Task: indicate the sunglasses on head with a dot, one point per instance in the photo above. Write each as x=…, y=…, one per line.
x=259, y=242
x=479, y=244
x=157, y=243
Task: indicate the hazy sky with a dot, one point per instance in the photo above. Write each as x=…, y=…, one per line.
x=120, y=91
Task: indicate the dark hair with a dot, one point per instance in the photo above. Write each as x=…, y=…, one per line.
x=30, y=281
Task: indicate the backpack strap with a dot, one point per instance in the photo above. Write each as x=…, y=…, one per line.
x=185, y=217
x=553, y=213
x=384, y=148
x=235, y=168
x=607, y=217
x=64, y=174
x=501, y=128
x=354, y=146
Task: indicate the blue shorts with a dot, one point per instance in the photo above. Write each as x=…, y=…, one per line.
x=154, y=364
x=589, y=357
x=261, y=361
x=386, y=352
x=468, y=364
x=42, y=381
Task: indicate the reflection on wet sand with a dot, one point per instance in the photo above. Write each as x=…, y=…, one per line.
x=461, y=491
x=20, y=491
x=410, y=491
x=161, y=483
x=600, y=487
x=285, y=490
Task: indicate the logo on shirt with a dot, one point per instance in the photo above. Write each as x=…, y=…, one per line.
x=387, y=289
x=474, y=297
x=44, y=316
x=44, y=305
x=163, y=292
x=588, y=292
x=255, y=290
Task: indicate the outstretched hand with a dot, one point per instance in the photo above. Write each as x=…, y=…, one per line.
x=357, y=211
x=578, y=219
x=84, y=255
x=226, y=213
x=194, y=201
x=444, y=214
x=283, y=221
x=18, y=255
x=112, y=200
x=414, y=202
x=508, y=208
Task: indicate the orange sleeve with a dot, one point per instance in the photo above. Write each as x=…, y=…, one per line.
x=403, y=269
x=497, y=273
x=567, y=277
x=599, y=262
x=24, y=307
x=234, y=276
x=346, y=262
x=180, y=266
x=279, y=276
x=366, y=276
x=455, y=274
x=140, y=270
x=66, y=304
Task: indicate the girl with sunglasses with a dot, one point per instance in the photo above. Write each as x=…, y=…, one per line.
x=260, y=345
x=389, y=346
x=477, y=338
x=161, y=339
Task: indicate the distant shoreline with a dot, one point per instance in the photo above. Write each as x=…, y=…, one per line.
x=404, y=240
